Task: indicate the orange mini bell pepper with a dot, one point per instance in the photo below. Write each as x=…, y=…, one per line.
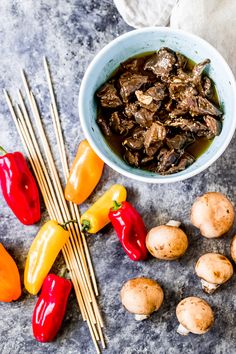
x=85, y=174
x=42, y=254
x=10, y=287
x=96, y=217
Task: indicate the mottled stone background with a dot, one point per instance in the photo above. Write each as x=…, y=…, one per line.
x=70, y=33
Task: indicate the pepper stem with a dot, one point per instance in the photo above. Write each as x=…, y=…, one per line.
x=2, y=151
x=116, y=206
x=68, y=222
x=86, y=225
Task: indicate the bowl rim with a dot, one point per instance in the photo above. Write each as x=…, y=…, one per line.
x=167, y=178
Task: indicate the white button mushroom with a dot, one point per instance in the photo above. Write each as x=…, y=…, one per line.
x=233, y=249
x=194, y=315
x=213, y=214
x=167, y=242
x=141, y=296
x=214, y=269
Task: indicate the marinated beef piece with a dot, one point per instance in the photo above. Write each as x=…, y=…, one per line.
x=167, y=158
x=132, y=158
x=213, y=125
x=120, y=125
x=131, y=109
x=190, y=125
x=181, y=60
x=155, y=107
x=104, y=125
x=144, y=117
x=178, y=90
x=158, y=92
x=134, y=65
x=129, y=83
x=180, y=141
x=143, y=97
x=197, y=106
x=133, y=143
x=185, y=161
x=146, y=160
x=153, y=148
x=108, y=96
x=207, y=88
x=155, y=133
x=161, y=63
x=198, y=70
x=206, y=107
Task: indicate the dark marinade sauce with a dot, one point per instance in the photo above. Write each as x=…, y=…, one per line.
x=159, y=111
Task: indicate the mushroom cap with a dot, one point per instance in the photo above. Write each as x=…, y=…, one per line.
x=195, y=315
x=214, y=268
x=141, y=296
x=166, y=242
x=233, y=248
x=213, y=214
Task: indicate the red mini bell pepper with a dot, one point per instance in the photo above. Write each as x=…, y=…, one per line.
x=50, y=308
x=19, y=187
x=130, y=229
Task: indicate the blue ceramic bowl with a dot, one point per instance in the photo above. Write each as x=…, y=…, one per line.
x=141, y=41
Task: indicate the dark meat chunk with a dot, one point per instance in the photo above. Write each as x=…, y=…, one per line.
x=120, y=125
x=104, y=125
x=207, y=88
x=132, y=158
x=198, y=70
x=131, y=109
x=161, y=63
x=181, y=61
x=153, y=148
x=155, y=133
x=167, y=159
x=144, y=117
x=213, y=125
x=190, y=125
x=158, y=92
x=133, y=65
x=133, y=143
x=197, y=105
x=185, y=161
x=108, y=96
x=146, y=101
x=206, y=107
x=178, y=90
x=146, y=160
x=180, y=141
x=129, y=83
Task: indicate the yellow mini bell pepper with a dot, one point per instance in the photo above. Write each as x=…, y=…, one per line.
x=96, y=217
x=42, y=254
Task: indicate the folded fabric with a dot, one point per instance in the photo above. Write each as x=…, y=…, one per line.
x=143, y=13
x=212, y=20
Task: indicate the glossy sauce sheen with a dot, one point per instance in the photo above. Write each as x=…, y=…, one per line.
x=196, y=149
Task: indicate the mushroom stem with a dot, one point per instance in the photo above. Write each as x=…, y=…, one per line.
x=140, y=317
x=209, y=288
x=174, y=223
x=182, y=330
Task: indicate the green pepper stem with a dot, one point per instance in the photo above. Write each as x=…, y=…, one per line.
x=2, y=151
x=68, y=222
x=86, y=225
x=116, y=206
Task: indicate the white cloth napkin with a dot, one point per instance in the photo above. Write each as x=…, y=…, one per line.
x=213, y=20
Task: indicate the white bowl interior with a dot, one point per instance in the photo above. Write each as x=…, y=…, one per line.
x=141, y=41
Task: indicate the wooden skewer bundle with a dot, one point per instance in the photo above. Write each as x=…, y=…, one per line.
x=75, y=252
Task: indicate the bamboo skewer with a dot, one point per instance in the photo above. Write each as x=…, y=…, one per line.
x=75, y=252
x=56, y=121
